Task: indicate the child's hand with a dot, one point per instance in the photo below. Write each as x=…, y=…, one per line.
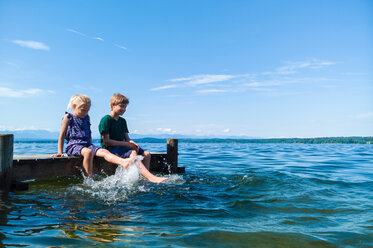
x=134, y=146
x=57, y=155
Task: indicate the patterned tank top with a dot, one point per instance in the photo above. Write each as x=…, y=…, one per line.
x=78, y=130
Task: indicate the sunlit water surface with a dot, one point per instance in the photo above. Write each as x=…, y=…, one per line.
x=232, y=195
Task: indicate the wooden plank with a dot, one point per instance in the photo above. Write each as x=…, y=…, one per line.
x=34, y=167
x=48, y=156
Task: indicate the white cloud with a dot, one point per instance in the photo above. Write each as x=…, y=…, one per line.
x=32, y=44
x=98, y=38
x=93, y=37
x=207, y=91
x=267, y=83
x=294, y=67
x=275, y=82
x=84, y=35
x=254, y=84
x=76, y=32
x=281, y=76
x=8, y=92
x=203, y=79
x=121, y=47
x=211, y=129
x=263, y=89
x=166, y=130
x=169, y=86
x=198, y=80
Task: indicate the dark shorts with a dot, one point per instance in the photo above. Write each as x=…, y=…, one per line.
x=75, y=150
x=123, y=151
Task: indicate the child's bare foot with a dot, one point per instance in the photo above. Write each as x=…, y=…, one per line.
x=158, y=179
x=131, y=160
x=127, y=162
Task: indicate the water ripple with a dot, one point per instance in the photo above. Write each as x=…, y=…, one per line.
x=232, y=195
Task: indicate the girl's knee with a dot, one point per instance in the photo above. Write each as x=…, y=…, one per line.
x=86, y=152
x=147, y=154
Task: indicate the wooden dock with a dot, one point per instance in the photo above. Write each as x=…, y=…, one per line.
x=17, y=168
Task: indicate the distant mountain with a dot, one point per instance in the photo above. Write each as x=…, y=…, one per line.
x=32, y=134
x=39, y=135
x=48, y=135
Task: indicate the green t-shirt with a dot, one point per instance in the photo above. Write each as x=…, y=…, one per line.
x=115, y=128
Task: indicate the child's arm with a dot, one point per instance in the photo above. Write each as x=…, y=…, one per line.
x=128, y=139
x=61, y=139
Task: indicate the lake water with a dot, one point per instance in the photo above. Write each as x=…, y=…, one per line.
x=232, y=195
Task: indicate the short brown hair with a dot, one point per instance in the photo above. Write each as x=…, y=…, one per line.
x=118, y=99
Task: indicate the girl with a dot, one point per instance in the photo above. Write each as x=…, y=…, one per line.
x=77, y=131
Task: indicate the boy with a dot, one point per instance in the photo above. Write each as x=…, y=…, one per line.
x=114, y=132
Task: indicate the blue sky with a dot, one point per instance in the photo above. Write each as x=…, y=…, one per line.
x=225, y=68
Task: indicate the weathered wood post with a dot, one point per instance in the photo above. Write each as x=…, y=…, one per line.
x=172, y=153
x=6, y=160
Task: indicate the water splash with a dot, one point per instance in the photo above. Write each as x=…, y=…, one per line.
x=118, y=187
x=175, y=180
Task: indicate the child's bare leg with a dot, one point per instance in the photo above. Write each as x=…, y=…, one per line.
x=146, y=173
x=146, y=160
x=111, y=158
x=87, y=160
x=108, y=156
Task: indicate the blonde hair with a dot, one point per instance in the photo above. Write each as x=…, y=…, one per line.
x=118, y=99
x=79, y=100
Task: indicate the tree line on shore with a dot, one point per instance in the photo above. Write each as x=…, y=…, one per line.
x=321, y=140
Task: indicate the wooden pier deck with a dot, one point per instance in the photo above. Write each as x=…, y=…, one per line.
x=17, y=168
